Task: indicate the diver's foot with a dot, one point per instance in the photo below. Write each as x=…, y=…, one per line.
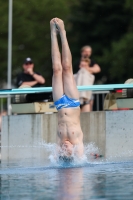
x=59, y=25
x=52, y=26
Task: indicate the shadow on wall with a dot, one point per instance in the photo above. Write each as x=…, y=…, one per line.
x=2, y=114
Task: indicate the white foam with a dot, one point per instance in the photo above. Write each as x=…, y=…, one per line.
x=55, y=152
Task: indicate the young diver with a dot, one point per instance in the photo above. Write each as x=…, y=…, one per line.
x=65, y=94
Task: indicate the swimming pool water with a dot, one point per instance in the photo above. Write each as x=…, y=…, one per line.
x=46, y=181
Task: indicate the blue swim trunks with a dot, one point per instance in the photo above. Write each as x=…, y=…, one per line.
x=66, y=102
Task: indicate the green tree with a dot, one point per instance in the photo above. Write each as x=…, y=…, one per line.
x=119, y=58
x=105, y=25
x=3, y=39
x=31, y=33
x=99, y=24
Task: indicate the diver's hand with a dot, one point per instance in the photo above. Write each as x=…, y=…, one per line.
x=68, y=147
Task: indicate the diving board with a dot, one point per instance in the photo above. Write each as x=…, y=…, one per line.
x=80, y=88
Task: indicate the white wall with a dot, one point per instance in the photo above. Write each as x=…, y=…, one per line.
x=22, y=135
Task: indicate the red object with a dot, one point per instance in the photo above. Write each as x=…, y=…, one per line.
x=119, y=91
x=124, y=109
x=121, y=109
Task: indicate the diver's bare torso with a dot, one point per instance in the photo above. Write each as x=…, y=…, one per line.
x=69, y=128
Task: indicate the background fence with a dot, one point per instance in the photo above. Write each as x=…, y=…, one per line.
x=97, y=106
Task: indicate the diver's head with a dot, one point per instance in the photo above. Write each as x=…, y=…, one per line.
x=67, y=148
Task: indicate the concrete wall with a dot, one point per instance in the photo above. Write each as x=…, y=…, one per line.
x=22, y=135
x=119, y=134
x=93, y=126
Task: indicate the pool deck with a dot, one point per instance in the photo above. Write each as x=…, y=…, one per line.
x=111, y=131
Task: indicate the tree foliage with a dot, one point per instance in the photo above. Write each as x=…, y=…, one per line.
x=105, y=25
x=31, y=33
x=100, y=24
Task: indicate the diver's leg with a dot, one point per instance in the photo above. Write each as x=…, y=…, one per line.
x=57, y=83
x=69, y=84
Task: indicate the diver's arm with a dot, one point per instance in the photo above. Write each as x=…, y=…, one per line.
x=79, y=150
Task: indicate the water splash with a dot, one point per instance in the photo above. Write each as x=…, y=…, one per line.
x=56, y=153
x=52, y=151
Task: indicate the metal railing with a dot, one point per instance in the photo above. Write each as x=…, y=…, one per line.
x=97, y=106
x=2, y=102
x=99, y=100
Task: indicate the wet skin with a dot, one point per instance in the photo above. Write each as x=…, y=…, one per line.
x=69, y=129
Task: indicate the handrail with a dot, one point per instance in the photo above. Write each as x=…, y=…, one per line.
x=80, y=88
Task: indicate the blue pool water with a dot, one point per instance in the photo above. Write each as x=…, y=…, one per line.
x=51, y=179
x=47, y=181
